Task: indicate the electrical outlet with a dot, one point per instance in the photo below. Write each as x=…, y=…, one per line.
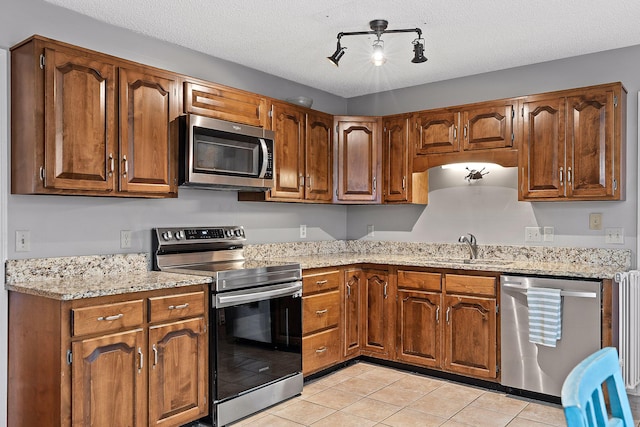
x=23, y=241
x=614, y=235
x=125, y=239
x=595, y=221
x=548, y=234
x=370, y=230
x=303, y=231
x=532, y=234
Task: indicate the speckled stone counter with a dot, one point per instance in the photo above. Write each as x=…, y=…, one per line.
x=70, y=278
x=539, y=260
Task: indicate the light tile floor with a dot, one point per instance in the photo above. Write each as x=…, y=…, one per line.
x=364, y=394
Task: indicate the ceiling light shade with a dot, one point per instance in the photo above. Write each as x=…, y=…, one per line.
x=418, y=52
x=377, y=56
x=379, y=27
x=335, y=58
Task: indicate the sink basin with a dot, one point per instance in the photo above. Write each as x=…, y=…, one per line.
x=477, y=261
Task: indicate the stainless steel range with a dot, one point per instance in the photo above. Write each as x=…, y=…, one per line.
x=255, y=318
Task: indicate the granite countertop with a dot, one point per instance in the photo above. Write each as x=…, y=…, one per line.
x=88, y=287
x=493, y=265
x=70, y=278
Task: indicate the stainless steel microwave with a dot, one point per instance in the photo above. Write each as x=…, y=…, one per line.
x=224, y=155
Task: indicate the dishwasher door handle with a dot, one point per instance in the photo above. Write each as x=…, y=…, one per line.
x=576, y=294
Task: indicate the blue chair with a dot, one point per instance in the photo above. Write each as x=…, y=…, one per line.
x=582, y=396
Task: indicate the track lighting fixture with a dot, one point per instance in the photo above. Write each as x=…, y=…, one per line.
x=379, y=27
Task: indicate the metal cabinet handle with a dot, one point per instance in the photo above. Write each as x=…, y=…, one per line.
x=569, y=175
x=320, y=312
x=404, y=182
x=301, y=177
x=465, y=131
x=111, y=164
x=348, y=291
x=322, y=349
x=179, y=307
x=141, y=359
x=309, y=181
x=384, y=289
x=455, y=132
x=447, y=315
x=374, y=184
x=111, y=318
x=155, y=355
x=561, y=175
x=126, y=166
x=437, y=314
x=322, y=282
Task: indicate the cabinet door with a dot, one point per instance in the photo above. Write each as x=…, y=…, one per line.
x=376, y=320
x=591, y=145
x=542, y=154
x=225, y=103
x=437, y=132
x=353, y=284
x=470, y=336
x=419, y=328
x=80, y=124
x=488, y=125
x=396, y=155
x=359, y=152
x=148, y=155
x=288, y=124
x=319, y=157
x=177, y=372
x=109, y=380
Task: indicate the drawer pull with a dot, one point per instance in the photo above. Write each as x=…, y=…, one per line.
x=321, y=282
x=155, y=355
x=141, y=365
x=179, y=307
x=111, y=318
x=322, y=349
x=321, y=312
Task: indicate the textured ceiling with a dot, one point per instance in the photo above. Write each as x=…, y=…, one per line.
x=292, y=38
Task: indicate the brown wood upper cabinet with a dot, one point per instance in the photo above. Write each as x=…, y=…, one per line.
x=303, y=156
x=67, y=136
x=401, y=185
x=573, y=145
x=225, y=103
x=484, y=131
x=358, y=157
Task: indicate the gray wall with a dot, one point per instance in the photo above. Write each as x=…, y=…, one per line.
x=63, y=226
x=490, y=208
x=76, y=225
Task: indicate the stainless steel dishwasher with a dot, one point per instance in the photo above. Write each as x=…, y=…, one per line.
x=538, y=368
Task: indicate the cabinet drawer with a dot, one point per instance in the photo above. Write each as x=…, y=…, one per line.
x=176, y=306
x=419, y=280
x=320, y=282
x=320, y=350
x=107, y=317
x=470, y=285
x=321, y=311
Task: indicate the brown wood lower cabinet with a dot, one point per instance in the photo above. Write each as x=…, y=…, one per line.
x=125, y=360
x=419, y=331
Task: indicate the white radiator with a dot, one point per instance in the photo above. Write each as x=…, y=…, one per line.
x=629, y=326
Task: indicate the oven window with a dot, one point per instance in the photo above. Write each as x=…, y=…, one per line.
x=257, y=343
x=218, y=152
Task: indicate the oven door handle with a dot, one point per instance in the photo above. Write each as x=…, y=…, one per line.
x=259, y=294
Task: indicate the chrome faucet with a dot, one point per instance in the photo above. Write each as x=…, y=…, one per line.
x=471, y=244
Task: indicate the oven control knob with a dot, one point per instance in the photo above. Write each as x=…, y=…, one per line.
x=179, y=235
x=238, y=232
x=167, y=235
x=228, y=233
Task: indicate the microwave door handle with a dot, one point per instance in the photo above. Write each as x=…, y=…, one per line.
x=265, y=156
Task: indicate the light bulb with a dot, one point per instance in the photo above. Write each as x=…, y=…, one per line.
x=377, y=57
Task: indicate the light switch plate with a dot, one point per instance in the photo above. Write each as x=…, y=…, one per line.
x=23, y=241
x=303, y=231
x=532, y=234
x=614, y=235
x=595, y=221
x=125, y=239
x=370, y=230
x=548, y=234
